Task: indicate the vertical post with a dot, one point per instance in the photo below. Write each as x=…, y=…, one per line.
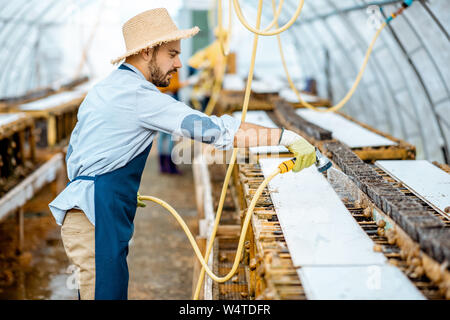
x=22, y=146
x=51, y=130
x=328, y=76
x=32, y=141
x=20, y=234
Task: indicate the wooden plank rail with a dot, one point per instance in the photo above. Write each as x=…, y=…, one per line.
x=289, y=118
x=25, y=190
x=395, y=148
x=424, y=179
x=270, y=271
x=55, y=116
x=429, y=232
x=17, y=149
x=274, y=274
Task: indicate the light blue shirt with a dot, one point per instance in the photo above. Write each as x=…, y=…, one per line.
x=117, y=120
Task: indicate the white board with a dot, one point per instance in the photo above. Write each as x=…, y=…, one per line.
x=265, y=87
x=422, y=178
x=290, y=96
x=261, y=118
x=52, y=101
x=344, y=130
x=6, y=118
x=233, y=82
x=317, y=226
x=257, y=117
x=334, y=257
x=373, y=282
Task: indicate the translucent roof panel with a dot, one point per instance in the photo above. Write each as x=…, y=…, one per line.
x=405, y=90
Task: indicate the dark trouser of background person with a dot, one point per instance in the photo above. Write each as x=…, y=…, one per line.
x=165, y=146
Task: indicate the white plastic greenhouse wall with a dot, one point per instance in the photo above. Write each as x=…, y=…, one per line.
x=405, y=89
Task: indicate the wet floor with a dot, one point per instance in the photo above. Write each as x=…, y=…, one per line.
x=160, y=258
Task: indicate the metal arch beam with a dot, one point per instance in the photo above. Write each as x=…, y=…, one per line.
x=364, y=6
x=436, y=20
x=444, y=148
x=430, y=56
x=24, y=74
x=339, y=74
x=356, y=105
x=293, y=37
x=351, y=63
x=410, y=95
x=12, y=5
x=394, y=96
x=14, y=52
x=376, y=67
x=55, y=13
x=4, y=33
x=346, y=10
x=347, y=54
x=317, y=67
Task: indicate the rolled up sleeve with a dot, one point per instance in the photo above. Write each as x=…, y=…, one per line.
x=160, y=112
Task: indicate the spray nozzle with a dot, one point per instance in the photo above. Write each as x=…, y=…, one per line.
x=322, y=162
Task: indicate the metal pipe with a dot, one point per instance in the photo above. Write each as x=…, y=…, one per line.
x=444, y=147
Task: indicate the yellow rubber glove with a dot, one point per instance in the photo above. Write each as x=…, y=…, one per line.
x=303, y=151
x=140, y=203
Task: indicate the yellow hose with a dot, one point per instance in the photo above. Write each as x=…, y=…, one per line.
x=202, y=260
x=226, y=51
x=263, y=32
x=352, y=90
x=275, y=17
x=233, y=156
x=208, y=110
x=284, y=166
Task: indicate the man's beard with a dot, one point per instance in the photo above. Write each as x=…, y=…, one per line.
x=157, y=77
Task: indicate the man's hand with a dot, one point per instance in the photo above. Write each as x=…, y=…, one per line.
x=303, y=151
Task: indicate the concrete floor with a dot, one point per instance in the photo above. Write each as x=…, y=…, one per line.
x=160, y=258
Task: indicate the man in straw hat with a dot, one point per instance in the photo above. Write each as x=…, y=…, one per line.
x=108, y=148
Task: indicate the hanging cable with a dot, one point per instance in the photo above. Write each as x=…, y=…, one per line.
x=263, y=32
x=352, y=90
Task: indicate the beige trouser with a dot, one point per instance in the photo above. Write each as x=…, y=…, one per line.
x=78, y=236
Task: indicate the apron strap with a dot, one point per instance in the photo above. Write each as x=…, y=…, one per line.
x=81, y=178
x=124, y=67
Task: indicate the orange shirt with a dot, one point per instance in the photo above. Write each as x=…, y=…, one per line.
x=174, y=85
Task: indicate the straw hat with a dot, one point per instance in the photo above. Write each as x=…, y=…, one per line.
x=151, y=28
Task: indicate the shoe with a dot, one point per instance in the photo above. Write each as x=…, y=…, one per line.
x=172, y=166
x=163, y=166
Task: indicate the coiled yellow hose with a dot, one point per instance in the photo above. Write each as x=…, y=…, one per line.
x=352, y=90
x=233, y=158
x=284, y=167
x=288, y=24
x=202, y=260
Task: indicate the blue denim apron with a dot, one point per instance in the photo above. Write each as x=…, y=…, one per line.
x=115, y=208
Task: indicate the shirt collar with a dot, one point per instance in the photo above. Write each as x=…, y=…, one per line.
x=139, y=73
x=136, y=70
